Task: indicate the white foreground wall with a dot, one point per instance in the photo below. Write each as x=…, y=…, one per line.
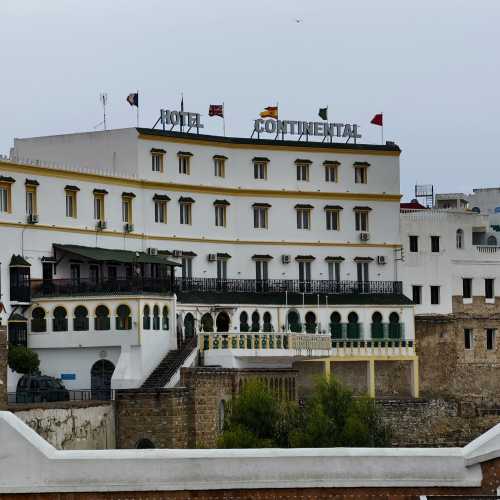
x=46, y=469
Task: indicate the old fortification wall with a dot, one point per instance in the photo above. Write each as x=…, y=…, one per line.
x=68, y=426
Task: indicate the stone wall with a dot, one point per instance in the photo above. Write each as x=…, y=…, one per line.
x=3, y=367
x=86, y=426
x=434, y=423
x=190, y=416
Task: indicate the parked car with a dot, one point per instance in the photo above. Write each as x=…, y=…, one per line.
x=40, y=388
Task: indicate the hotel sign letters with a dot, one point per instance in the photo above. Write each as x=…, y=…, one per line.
x=182, y=118
x=293, y=127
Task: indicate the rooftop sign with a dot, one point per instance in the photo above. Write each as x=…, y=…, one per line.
x=294, y=127
x=181, y=118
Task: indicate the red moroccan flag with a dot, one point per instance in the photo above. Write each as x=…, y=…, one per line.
x=216, y=110
x=378, y=120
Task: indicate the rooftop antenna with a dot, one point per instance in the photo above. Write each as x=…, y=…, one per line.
x=103, y=98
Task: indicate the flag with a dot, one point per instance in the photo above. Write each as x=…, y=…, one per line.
x=216, y=110
x=378, y=120
x=133, y=99
x=323, y=113
x=270, y=112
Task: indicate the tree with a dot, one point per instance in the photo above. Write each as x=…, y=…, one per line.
x=334, y=417
x=23, y=360
x=331, y=417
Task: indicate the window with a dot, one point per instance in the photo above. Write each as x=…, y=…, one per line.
x=99, y=206
x=220, y=166
x=260, y=217
x=467, y=288
x=331, y=171
x=435, y=294
x=75, y=273
x=157, y=160
x=261, y=273
x=413, y=243
x=304, y=273
x=416, y=294
x=184, y=163
x=187, y=267
x=361, y=219
x=112, y=273
x=185, y=213
x=303, y=217
x=489, y=288
x=127, y=209
x=332, y=219
x=31, y=205
x=5, y=197
x=490, y=339
x=161, y=211
x=435, y=244
x=94, y=274
x=71, y=203
x=460, y=239
x=260, y=170
x=60, y=320
x=302, y=171
x=360, y=174
x=334, y=270
x=146, y=318
x=81, y=319
x=468, y=338
x=221, y=268
x=362, y=269
x=220, y=215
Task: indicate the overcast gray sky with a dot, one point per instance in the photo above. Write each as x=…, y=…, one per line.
x=432, y=67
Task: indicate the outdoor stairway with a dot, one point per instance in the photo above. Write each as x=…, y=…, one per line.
x=168, y=366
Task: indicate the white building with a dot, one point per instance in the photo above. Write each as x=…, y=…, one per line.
x=288, y=251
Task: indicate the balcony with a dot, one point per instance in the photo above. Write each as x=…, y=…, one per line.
x=290, y=286
x=88, y=287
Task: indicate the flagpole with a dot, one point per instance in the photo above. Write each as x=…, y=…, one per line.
x=382, y=128
x=223, y=120
x=137, y=109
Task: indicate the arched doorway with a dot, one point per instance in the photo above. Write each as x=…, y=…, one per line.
x=100, y=379
x=394, y=326
x=293, y=319
x=377, y=326
x=352, y=326
x=222, y=322
x=207, y=322
x=188, y=326
x=310, y=322
x=336, y=325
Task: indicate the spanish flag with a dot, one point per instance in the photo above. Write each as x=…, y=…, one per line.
x=270, y=112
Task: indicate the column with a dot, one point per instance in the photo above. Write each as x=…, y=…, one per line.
x=415, y=385
x=371, y=377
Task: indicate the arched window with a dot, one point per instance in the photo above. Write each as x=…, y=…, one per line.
x=255, y=321
x=353, y=328
x=156, y=318
x=38, y=321
x=188, y=326
x=266, y=318
x=394, y=326
x=377, y=326
x=335, y=325
x=164, y=319
x=60, y=321
x=81, y=319
x=101, y=321
x=222, y=322
x=146, y=318
x=460, y=238
x=310, y=322
x=144, y=444
x=244, y=322
x=123, y=318
x=294, y=322
x=491, y=241
x=100, y=379
x=207, y=322
x=476, y=210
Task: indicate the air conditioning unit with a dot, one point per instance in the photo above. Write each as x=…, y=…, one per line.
x=128, y=228
x=152, y=251
x=381, y=259
x=32, y=219
x=212, y=257
x=177, y=253
x=101, y=224
x=286, y=259
x=364, y=236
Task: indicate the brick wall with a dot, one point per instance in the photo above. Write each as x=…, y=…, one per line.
x=3, y=367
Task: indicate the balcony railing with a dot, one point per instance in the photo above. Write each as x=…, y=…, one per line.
x=83, y=286
x=291, y=286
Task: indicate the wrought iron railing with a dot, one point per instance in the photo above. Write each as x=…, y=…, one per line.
x=84, y=286
x=53, y=395
x=291, y=286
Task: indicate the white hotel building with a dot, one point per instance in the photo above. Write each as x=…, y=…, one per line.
x=283, y=252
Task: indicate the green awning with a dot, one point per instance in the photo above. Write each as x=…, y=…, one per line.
x=96, y=254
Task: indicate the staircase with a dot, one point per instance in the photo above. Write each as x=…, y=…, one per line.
x=169, y=365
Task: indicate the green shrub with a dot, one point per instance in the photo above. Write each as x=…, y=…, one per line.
x=23, y=360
